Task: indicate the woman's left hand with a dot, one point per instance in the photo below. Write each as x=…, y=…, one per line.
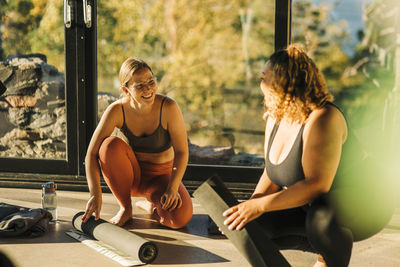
x=171, y=200
x=243, y=213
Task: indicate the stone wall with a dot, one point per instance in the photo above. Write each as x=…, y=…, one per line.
x=32, y=109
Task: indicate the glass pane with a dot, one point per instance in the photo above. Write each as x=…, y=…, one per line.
x=32, y=106
x=207, y=55
x=352, y=42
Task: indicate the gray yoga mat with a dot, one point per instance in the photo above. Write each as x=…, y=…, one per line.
x=117, y=237
x=251, y=241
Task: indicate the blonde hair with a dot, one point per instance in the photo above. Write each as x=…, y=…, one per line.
x=298, y=87
x=129, y=67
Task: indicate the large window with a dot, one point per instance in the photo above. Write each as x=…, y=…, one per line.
x=207, y=55
x=32, y=66
x=46, y=74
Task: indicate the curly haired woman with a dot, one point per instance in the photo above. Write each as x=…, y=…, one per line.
x=317, y=192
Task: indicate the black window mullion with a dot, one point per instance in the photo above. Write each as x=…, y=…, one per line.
x=86, y=72
x=71, y=92
x=90, y=78
x=283, y=21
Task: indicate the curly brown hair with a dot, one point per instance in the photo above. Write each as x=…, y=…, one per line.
x=298, y=87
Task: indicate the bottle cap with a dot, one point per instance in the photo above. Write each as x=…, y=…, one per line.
x=49, y=187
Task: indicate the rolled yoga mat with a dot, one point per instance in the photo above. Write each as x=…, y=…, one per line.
x=251, y=240
x=125, y=241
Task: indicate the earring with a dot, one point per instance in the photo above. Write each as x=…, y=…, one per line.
x=124, y=89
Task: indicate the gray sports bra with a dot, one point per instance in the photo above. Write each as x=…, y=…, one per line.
x=290, y=170
x=156, y=142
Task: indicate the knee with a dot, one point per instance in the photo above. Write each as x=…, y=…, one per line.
x=185, y=213
x=178, y=218
x=180, y=222
x=318, y=222
x=111, y=146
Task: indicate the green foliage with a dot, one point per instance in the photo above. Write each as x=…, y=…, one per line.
x=206, y=54
x=196, y=48
x=375, y=60
x=48, y=38
x=323, y=39
x=33, y=26
x=373, y=104
x=3, y=8
x=19, y=20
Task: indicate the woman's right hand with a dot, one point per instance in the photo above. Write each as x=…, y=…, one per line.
x=93, y=205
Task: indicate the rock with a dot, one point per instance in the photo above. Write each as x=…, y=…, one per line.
x=5, y=125
x=42, y=118
x=21, y=101
x=56, y=103
x=4, y=105
x=5, y=72
x=3, y=88
x=245, y=159
x=52, y=90
x=20, y=117
x=103, y=101
x=24, y=80
x=210, y=154
x=35, y=57
x=29, y=135
x=3, y=148
x=32, y=109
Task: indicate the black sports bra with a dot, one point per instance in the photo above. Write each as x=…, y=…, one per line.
x=290, y=170
x=353, y=168
x=156, y=142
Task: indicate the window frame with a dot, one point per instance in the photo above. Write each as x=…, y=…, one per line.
x=81, y=104
x=80, y=101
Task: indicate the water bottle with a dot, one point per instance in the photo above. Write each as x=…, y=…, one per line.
x=49, y=198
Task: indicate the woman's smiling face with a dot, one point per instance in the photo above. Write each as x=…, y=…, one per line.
x=143, y=86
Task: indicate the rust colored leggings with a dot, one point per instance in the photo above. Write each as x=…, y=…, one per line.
x=126, y=177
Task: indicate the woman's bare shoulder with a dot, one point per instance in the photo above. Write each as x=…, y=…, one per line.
x=113, y=113
x=325, y=120
x=326, y=115
x=114, y=107
x=169, y=103
x=167, y=100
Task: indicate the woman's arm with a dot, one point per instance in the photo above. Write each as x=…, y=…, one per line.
x=323, y=139
x=264, y=186
x=177, y=131
x=110, y=119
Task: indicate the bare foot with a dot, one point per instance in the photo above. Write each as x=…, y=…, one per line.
x=122, y=217
x=149, y=207
x=320, y=262
x=145, y=205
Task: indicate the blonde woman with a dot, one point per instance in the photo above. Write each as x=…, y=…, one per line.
x=317, y=191
x=153, y=163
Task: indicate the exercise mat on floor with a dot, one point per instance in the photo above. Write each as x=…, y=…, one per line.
x=113, y=241
x=251, y=241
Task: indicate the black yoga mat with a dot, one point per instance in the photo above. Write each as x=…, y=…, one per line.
x=117, y=237
x=251, y=241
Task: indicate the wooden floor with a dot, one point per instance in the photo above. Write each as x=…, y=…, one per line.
x=191, y=246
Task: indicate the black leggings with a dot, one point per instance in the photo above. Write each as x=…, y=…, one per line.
x=329, y=225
